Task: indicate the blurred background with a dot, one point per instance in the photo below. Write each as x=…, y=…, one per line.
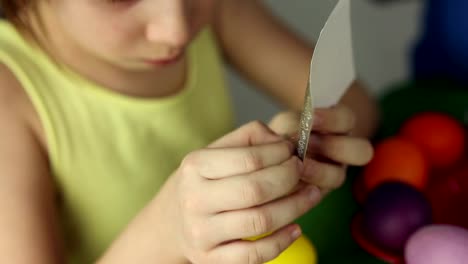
x=383, y=35
x=412, y=55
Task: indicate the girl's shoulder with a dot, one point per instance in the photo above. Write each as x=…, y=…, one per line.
x=26, y=178
x=15, y=103
x=11, y=90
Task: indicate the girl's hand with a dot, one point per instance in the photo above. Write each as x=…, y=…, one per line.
x=331, y=146
x=243, y=185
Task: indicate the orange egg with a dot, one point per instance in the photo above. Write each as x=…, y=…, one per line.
x=396, y=159
x=440, y=136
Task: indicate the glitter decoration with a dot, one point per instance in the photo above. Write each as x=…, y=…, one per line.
x=305, y=126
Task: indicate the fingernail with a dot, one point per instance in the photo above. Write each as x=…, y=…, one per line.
x=314, y=193
x=296, y=233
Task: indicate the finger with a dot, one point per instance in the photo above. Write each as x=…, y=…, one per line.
x=285, y=123
x=338, y=119
x=265, y=218
x=342, y=149
x=220, y=163
x=253, y=133
x=323, y=175
x=245, y=191
x=255, y=252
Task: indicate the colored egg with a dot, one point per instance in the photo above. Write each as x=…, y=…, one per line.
x=369, y=246
x=440, y=136
x=448, y=196
x=396, y=159
x=300, y=252
x=438, y=244
x=392, y=213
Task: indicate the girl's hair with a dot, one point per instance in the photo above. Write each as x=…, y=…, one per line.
x=13, y=10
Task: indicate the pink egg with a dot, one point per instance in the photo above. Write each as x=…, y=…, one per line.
x=438, y=244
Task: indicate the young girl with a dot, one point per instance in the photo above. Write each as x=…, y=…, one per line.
x=115, y=133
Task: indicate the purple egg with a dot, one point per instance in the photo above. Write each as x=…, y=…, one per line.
x=392, y=213
x=437, y=244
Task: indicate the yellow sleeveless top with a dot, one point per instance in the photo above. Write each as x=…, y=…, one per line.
x=110, y=153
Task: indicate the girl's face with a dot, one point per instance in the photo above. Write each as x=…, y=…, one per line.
x=133, y=34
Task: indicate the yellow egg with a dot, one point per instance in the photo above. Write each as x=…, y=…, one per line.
x=300, y=252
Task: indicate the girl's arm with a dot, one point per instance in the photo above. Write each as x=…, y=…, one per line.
x=28, y=225
x=182, y=222
x=275, y=59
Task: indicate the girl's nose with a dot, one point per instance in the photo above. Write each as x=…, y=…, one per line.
x=170, y=27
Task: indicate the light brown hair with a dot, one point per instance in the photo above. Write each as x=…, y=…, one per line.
x=13, y=10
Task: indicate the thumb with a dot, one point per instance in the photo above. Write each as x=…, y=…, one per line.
x=285, y=123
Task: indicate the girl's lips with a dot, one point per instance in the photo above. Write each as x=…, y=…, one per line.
x=163, y=62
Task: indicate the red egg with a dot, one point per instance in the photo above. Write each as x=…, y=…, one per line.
x=448, y=195
x=440, y=136
x=396, y=159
